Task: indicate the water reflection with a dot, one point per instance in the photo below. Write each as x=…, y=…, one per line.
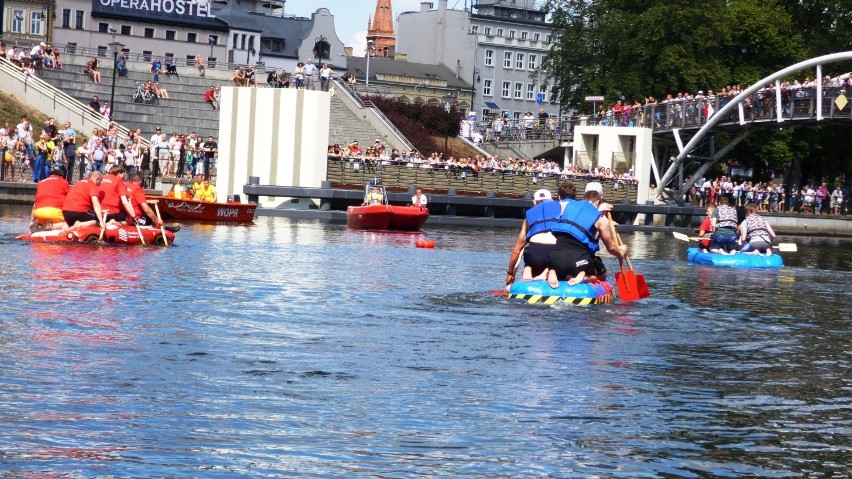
x=291, y=348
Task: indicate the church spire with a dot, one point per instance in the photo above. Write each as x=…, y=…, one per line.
x=380, y=29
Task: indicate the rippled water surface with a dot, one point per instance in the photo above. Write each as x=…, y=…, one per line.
x=302, y=349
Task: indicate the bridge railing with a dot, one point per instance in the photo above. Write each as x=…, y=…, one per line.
x=799, y=104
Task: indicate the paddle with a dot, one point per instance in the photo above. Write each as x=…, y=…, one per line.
x=139, y=230
x=785, y=247
x=631, y=286
x=162, y=230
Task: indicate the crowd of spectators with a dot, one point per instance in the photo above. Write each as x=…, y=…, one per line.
x=378, y=154
x=28, y=153
x=649, y=112
x=769, y=197
x=34, y=59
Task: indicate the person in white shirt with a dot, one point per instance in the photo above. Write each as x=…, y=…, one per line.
x=309, y=70
x=419, y=199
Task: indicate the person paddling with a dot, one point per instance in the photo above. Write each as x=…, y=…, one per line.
x=756, y=235
x=82, y=207
x=535, y=238
x=114, y=194
x=50, y=195
x=580, y=228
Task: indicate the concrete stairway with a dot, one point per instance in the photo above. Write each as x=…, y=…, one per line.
x=185, y=111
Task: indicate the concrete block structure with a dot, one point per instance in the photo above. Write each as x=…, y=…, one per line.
x=278, y=135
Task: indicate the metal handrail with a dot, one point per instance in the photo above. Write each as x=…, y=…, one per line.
x=59, y=97
x=379, y=115
x=76, y=50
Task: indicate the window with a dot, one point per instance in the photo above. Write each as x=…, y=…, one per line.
x=536, y=37
x=103, y=27
x=511, y=34
x=474, y=29
x=533, y=61
x=149, y=33
x=190, y=60
x=486, y=87
x=507, y=59
x=547, y=38
x=519, y=90
x=516, y=115
x=146, y=55
x=17, y=21
x=543, y=90
x=126, y=30
x=71, y=47
x=170, y=34
x=192, y=38
x=499, y=32
x=489, y=58
x=524, y=35
x=102, y=50
x=211, y=62
x=530, y=92
x=488, y=31
x=66, y=18
x=213, y=39
x=275, y=45
x=80, y=17
x=35, y=23
x=506, y=87
x=519, y=61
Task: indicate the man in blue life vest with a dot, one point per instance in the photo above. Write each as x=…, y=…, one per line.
x=541, y=242
x=724, y=228
x=578, y=231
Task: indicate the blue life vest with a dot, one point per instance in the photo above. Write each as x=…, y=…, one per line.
x=578, y=220
x=542, y=217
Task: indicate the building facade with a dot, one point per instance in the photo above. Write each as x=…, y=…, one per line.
x=410, y=82
x=26, y=22
x=250, y=32
x=496, y=45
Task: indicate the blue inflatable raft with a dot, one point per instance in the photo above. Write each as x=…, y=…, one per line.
x=739, y=260
x=583, y=294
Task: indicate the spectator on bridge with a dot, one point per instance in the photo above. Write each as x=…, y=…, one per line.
x=92, y=70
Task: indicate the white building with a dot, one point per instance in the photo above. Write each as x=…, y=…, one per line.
x=497, y=45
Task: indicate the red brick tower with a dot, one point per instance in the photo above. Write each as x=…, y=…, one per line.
x=380, y=29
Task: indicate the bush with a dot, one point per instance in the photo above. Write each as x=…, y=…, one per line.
x=423, y=125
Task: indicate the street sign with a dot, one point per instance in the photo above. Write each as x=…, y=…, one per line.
x=595, y=98
x=539, y=98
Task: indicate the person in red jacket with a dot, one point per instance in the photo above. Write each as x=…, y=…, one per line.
x=113, y=196
x=82, y=207
x=142, y=213
x=50, y=194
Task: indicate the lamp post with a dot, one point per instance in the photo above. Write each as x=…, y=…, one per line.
x=369, y=54
x=116, y=47
x=212, y=41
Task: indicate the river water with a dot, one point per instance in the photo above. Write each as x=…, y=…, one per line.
x=302, y=349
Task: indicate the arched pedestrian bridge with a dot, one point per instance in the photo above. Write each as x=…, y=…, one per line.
x=764, y=105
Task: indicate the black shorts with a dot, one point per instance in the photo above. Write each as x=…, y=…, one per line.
x=72, y=217
x=120, y=216
x=535, y=256
x=569, y=260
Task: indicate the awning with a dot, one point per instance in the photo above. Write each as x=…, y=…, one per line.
x=492, y=105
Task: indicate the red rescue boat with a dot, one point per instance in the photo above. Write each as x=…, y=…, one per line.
x=377, y=214
x=188, y=209
x=113, y=234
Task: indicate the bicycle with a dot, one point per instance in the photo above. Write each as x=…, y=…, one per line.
x=141, y=95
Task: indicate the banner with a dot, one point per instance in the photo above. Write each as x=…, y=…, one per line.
x=188, y=12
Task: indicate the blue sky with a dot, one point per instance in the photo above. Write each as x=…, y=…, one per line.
x=350, y=16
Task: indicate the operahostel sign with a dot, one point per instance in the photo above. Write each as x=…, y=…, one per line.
x=175, y=11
